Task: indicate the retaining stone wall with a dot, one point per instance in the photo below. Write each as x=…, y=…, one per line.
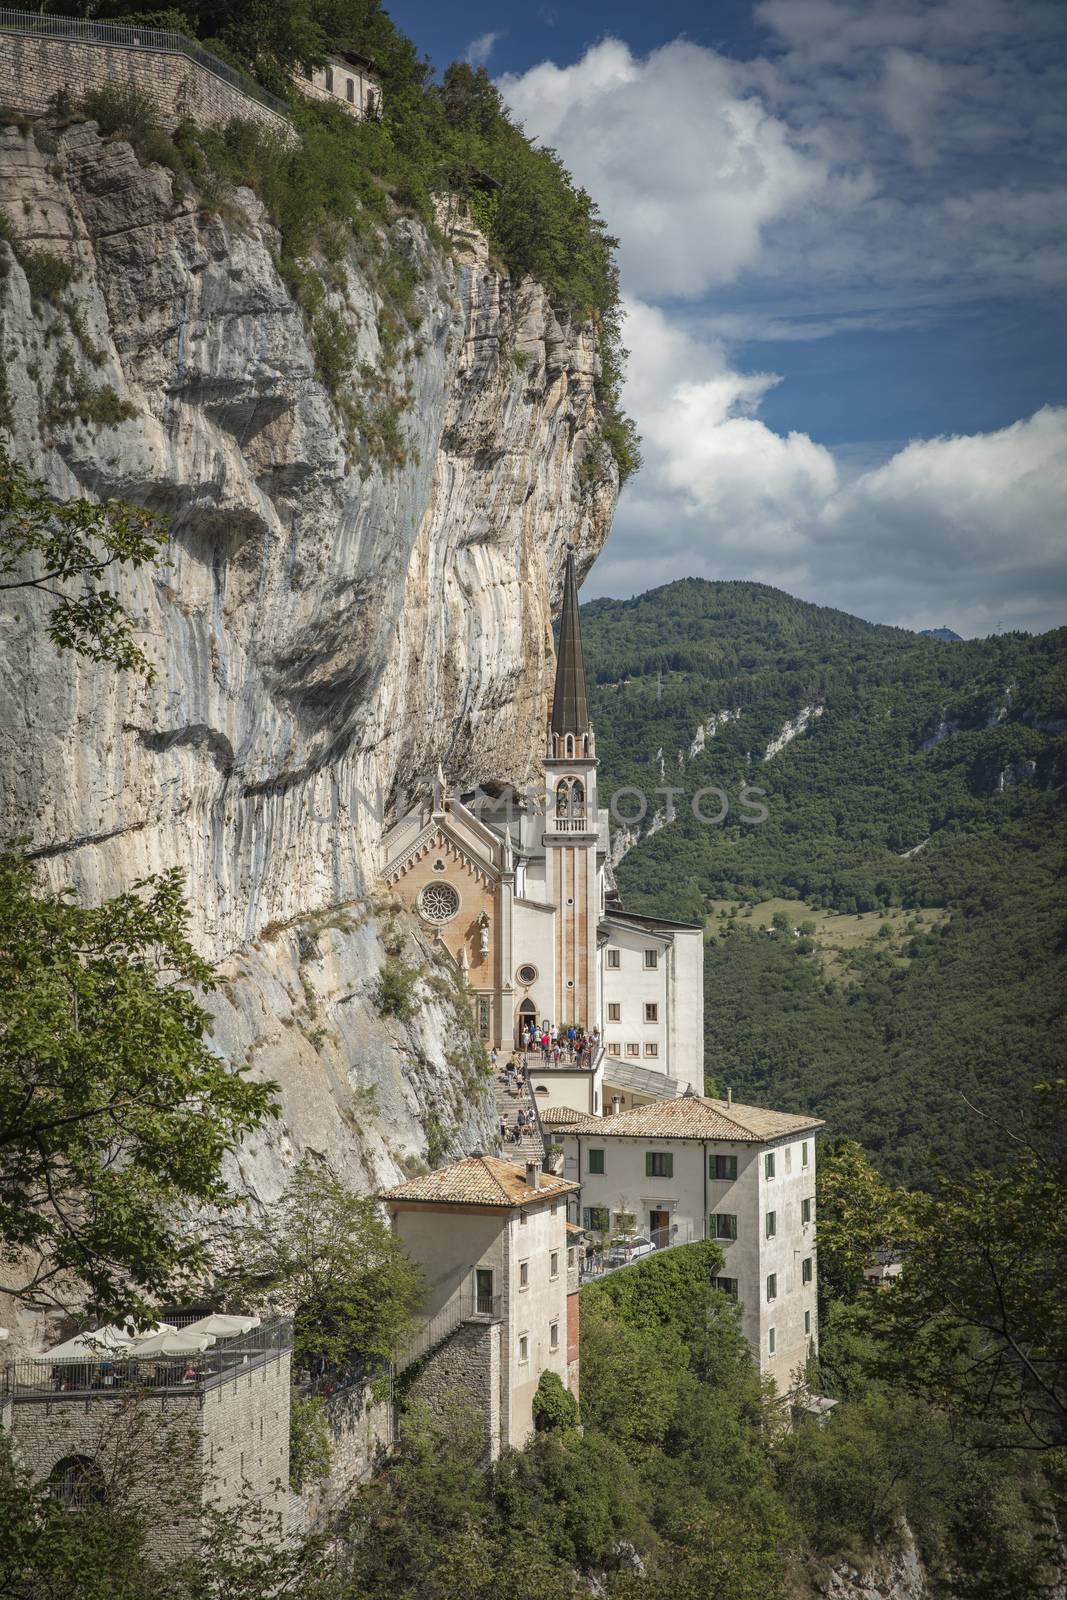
x=361, y=1431
x=465, y=1367
x=178, y=1450
x=34, y=70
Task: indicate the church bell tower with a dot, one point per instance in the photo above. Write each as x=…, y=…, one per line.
x=571, y=833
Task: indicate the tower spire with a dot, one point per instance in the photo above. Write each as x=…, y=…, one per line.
x=570, y=703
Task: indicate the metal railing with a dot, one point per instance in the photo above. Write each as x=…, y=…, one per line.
x=117, y=1374
x=461, y=1308
x=125, y=37
x=613, y=1256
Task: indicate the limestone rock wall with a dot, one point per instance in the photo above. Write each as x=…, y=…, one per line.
x=323, y=635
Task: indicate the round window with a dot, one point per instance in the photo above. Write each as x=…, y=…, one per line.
x=527, y=974
x=438, y=902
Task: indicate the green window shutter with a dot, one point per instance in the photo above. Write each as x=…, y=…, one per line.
x=649, y=1164
x=596, y=1161
x=668, y=1166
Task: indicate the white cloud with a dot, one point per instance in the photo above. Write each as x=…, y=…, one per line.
x=967, y=530
x=878, y=166
x=480, y=49
x=685, y=165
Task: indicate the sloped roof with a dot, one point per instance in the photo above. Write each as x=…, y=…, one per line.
x=479, y=1181
x=694, y=1116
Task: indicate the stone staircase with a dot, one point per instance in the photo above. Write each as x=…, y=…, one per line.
x=531, y=1146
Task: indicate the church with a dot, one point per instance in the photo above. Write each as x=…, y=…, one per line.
x=520, y=891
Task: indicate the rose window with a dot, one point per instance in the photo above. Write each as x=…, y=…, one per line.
x=438, y=902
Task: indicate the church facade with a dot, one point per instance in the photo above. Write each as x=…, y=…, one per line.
x=519, y=890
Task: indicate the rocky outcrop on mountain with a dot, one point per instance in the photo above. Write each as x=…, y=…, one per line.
x=331, y=624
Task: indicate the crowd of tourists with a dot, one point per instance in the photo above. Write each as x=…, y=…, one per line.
x=557, y=1046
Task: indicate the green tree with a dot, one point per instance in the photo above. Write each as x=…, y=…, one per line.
x=325, y=1255
x=115, y=1114
x=554, y=1407
x=977, y=1321
x=66, y=550
x=858, y=1215
x=310, y=1453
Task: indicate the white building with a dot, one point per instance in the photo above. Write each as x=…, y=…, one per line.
x=519, y=889
x=349, y=79
x=694, y=1168
x=491, y=1239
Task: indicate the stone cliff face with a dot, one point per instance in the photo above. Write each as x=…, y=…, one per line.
x=322, y=636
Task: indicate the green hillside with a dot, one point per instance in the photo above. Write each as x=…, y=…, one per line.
x=919, y=815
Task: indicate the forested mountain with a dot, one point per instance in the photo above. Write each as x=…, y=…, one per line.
x=914, y=797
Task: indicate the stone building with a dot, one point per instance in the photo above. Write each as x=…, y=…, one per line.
x=520, y=891
x=349, y=79
x=491, y=1238
x=696, y=1168
x=175, y=1435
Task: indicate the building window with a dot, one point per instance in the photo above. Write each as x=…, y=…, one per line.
x=483, y=1016
x=723, y=1167
x=651, y=1011
x=805, y=1270
x=768, y=1164
x=805, y=1211
x=596, y=1161
x=483, y=1290
x=614, y=958
x=553, y=1264
x=613, y=1048
x=524, y=1274
x=725, y=1225
x=350, y=91
x=524, y=1347
x=651, y=1049
x=807, y=1322
x=553, y=1336
x=437, y=903
x=329, y=79
x=595, y=1219
x=527, y=974
x=614, y=1011
x=633, y=1049
x=659, y=1164
x=772, y=1224
x=727, y=1286
x=804, y=1154
x=651, y=959
x=770, y=1341
x=570, y=1256
x=772, y=1286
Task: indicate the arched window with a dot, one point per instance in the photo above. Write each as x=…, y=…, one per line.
x=569, y=744
x=563, y=799
x=578, y=796
x=77, y=1482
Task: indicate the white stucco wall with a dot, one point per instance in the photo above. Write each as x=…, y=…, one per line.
x=631, y=986
x=533, y=1311
x=449, y=1244
x=751, y=1257
x=685, y=1009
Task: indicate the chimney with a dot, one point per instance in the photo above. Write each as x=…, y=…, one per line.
x=729, y=1097
x=533, y=1174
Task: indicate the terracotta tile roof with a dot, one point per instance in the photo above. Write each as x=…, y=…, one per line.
x=479, y=1181
x=693, y=1116
x=560, y=1116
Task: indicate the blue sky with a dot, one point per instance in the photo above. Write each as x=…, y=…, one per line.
x=843, y=231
